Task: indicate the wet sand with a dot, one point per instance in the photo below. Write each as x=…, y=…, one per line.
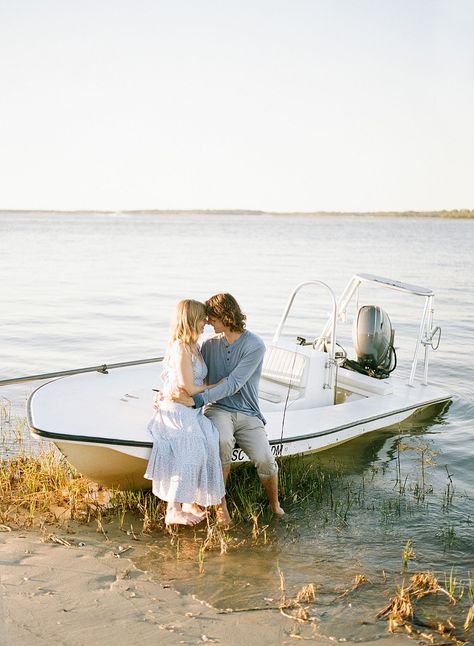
x=89, y=592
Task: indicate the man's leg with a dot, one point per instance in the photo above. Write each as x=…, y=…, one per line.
x=252, y=438
x=271, y=487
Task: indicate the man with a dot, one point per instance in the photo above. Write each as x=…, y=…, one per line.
x=234, y=358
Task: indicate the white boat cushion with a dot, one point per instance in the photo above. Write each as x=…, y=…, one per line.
x=363, y=384
x=284, y=366
x=271, y=391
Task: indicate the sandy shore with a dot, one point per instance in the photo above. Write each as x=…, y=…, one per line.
x=89, y=592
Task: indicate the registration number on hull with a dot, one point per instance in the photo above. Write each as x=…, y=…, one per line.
x=238, y=455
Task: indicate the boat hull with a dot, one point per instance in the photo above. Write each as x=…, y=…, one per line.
x=123, y=465
x=310, y=400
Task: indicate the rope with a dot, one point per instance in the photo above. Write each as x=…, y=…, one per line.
x=288, y=395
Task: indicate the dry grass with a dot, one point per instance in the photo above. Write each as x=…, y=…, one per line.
x=293, y=608
x=307, y=594
x=400, y=607
x=34, y=490
x=424, y=583
x=359, y=579
x=470, y=618
x=400, y=612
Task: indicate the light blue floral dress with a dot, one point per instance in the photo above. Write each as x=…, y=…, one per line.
x=184, y=464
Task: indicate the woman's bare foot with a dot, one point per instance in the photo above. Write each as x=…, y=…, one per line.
x=194, y=509
x=178, y=517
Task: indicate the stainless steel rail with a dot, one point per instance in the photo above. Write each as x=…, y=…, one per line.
x=105, y=367
x=426, y=332
x=331, y=363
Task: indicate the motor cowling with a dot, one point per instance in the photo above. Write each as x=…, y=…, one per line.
x=373, y=337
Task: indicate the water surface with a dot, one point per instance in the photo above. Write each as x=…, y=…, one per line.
x=82, y=290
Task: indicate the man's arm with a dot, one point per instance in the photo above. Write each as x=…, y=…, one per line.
x=234, y=381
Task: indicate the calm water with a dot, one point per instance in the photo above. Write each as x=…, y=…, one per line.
x=84, y=290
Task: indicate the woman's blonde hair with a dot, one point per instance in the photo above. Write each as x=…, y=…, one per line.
x=185, y=327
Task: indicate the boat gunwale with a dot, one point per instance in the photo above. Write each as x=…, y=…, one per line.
x=84, y=439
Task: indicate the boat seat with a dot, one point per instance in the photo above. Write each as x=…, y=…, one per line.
x=284, y=374
x=271, y=391
x=283, y=366
x=362, y=384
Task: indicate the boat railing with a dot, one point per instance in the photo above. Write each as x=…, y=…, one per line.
x=104, y=368
x=330, y=378
x=428, y=337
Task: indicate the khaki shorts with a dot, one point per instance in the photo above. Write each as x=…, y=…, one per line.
x=249, y=433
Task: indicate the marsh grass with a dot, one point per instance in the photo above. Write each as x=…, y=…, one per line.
x=408, y=554
x=454, y=585
x=13, y=430
x=44, y=488
x=5, y=410
x=406, y=612
x=447, y=536
x=301, y=482
x=291, y=607
x=47, y=486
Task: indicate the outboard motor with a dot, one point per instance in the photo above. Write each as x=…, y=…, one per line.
x=373, y=338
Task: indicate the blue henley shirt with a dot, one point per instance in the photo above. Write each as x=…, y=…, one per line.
x=239, y=364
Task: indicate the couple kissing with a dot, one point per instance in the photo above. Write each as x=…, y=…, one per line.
x=208, y=405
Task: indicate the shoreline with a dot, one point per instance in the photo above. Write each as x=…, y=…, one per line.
x=74, y=586
x=454, y=214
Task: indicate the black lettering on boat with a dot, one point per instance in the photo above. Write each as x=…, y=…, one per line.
x=277, y=450
x=238, y=455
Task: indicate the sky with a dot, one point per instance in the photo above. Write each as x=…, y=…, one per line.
x=277, y=105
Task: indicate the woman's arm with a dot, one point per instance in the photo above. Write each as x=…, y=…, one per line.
x=184, y=370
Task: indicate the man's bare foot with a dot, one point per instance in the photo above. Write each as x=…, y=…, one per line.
x=277, y=510
x=194, y=509
x=178, y=517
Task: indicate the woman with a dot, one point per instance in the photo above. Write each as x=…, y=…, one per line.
x=184, y=464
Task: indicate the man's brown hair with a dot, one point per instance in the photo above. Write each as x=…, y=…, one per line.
x=225, y=308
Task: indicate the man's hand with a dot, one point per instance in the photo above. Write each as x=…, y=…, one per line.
x=180, y=396
x=157, y=399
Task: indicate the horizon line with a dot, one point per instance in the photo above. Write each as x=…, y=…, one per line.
x=463, y=211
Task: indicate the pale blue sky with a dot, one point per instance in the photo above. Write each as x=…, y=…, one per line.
x=277, y=105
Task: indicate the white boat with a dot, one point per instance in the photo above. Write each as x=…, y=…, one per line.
x=312, y=397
